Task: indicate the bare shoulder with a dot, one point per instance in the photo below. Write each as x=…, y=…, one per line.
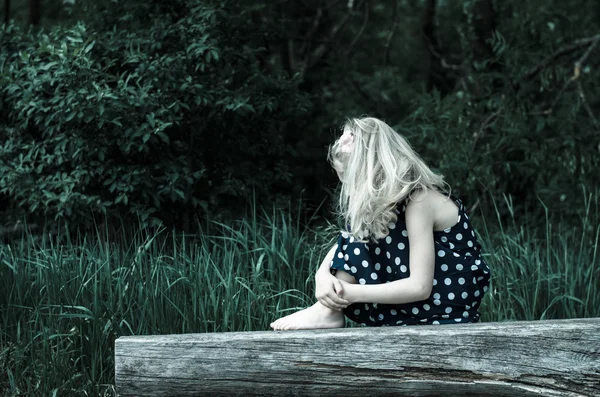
x=421, y=204
x=434, y=205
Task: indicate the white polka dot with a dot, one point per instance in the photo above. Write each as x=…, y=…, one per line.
x=356, y=251
x=436, y=296
x=351, y=239
x=340, y=255
x=444, y=267
x=397, y=261
x=357, y=312
x=426, y=306
x=445, y=316
x=444, y=239
x=404, y=233
x=415, y=310
x=374, y=276
x=388, y=255
x=448, y=310
x=447, y=230
x=345, y=234
x=451, y=246
x=366, y=306
x=435, y=322
x=344, y=247
x=474, y=304
x=465, y=225
x=477, y=262
x=459, y=236
x=401, y=246
x=474, y=280
x=393, y=312
x=467, y=307
x=380, y=317
x=365, y=264
x=461, y=281
x=441, y=253
x=458, y=320
x=447, y=281
x=353, y=269
x=465, y=314
x=362, y=281
x=403, y=269
x=437, y=302
x=470, y=243
x=377, y=251
x=346, y=257
x=392, y=226
x=474, y=267
x=399, y=322
x=456, y=254
x=388, y=239
x=464, y=295
x=434, y=282
x=403, y=311
x=476, y=293
x=451, y=296
x=472, y=233
x=479, y=278
x=346, y=267
x=459, y=267
x=378, y=266
x=485, y=288
x=389, y=269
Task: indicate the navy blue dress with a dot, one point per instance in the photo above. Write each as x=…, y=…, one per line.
x=461, y=275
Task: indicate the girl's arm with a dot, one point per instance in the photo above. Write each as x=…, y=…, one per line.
x=328, y=289
x=419, y=224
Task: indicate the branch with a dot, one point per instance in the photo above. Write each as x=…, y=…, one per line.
x=360, y=32
x=314, y=57
x=313, y=29
x=586, y=105
x=575, y=77
x=386, y=54
x=558, y=53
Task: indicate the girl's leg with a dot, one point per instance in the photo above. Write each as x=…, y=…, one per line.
x=315, y=317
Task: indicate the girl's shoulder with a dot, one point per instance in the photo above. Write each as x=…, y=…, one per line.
x=443, y=208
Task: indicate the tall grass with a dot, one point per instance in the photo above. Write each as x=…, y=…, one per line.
x=543, y=274
x=64, y=299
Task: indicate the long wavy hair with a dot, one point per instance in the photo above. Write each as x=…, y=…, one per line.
x=378, y=170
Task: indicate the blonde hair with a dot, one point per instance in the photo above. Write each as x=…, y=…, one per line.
x=380, y=171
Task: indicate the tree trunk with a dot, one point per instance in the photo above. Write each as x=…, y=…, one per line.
x=35, y=12
x=6, y=11
x=550, y=358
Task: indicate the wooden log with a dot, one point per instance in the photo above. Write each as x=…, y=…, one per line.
x=549, y=358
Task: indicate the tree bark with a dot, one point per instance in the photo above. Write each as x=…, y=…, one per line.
x=550, y=358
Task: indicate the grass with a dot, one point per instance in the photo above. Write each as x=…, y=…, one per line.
x=64, y=299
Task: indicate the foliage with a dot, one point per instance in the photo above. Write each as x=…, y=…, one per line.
x=172, y=117
x=64, y=300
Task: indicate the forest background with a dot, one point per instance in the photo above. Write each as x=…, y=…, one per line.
x=163, y=163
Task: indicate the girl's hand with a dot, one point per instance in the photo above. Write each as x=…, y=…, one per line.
x=330, y=291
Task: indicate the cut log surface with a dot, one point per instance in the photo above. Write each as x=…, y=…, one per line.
x=548, y=358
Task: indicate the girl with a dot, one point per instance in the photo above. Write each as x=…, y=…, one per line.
x=411, y=255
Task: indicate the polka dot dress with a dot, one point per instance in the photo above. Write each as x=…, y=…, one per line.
x=461, y=275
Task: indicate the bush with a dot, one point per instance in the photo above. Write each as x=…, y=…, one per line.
x=171, y=117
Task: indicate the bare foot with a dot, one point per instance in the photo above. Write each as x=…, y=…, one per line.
x=315, y=317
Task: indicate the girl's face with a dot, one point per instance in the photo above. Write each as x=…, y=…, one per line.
x=346, y=141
